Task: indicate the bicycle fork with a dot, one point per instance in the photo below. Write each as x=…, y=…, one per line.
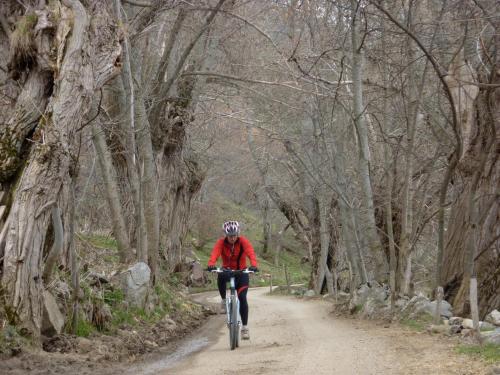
x=229, y=303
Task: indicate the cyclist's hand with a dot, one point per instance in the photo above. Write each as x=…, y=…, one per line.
x=253, y=269
x=211, y=268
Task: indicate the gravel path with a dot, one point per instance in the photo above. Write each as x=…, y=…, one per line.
x=297, y=336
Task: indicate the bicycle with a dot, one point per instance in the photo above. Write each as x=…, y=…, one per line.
x=233, y=306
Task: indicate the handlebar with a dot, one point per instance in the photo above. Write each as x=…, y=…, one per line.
x=229, y=270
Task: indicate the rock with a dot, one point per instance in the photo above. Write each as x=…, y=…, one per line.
x=485, y=326
x=454, y=330
x=493, y=318
x=62, y=290
x=438, y=329
x=84, y=345
x=309, y=293
x=375, y=294
x=420, y=305
x=197, y=276
x=97, y=279
x=150, y=343
x=491, y=337
x=445, y=309
x=468, y=324
x=455, y=321
x=135, y=284
x=401, y=303
x=494, y=371
x=53, y=320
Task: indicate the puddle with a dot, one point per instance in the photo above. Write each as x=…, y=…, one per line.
x=170, y=360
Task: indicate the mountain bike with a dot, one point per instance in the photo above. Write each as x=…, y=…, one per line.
x=233, y=306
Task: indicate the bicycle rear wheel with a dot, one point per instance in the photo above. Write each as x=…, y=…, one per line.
x=233, y=325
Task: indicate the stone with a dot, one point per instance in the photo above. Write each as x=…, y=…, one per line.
x=445, y=308
x=493, y=318
x=53, y=320
x=485, y=326
x=62, y=290
x=491, y=337
x=135, y=284
x=454, y=330
x=197, y=276
x=455, y=321
x=84, y=345
x=468, y=324
x=309, y=293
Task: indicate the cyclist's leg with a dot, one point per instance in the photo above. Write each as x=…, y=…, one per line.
x=222, y=280
x=242, y=282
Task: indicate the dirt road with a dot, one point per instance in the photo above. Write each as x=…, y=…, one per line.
x=294, y=336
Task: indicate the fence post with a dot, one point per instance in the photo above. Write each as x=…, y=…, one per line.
x=287, y=279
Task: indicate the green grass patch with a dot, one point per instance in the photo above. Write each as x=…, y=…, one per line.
x=489, y=352
x=414, y=324
x=113, y=297
x=100, y=241
x=84, y=328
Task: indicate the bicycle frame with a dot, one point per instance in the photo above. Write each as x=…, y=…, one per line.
x=233, y=307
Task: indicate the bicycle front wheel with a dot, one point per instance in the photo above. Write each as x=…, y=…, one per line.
x=233, y=324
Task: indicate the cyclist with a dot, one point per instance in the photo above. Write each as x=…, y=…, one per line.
x=234, y=249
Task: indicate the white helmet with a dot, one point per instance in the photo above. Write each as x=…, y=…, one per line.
x=231, y=228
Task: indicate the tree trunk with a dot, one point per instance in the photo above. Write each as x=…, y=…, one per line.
x=471, y=240
x=50, y=163
x=378, y=269
x=112, y=194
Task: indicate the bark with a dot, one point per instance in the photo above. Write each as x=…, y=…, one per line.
x=112, y=194
x=50, y=162
x=29, y=108
x=57, y=247
x=472, y=234
x=378, y=269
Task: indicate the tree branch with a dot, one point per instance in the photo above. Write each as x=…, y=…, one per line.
x=138, y=3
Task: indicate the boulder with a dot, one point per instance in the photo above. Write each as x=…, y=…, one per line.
x=493, y=318
x=419, y=305
x=491, y=337
x=197, y=276
x=485, y=326
x=309, y=293
x=455, y=321
x=135, y=284
x=53, y=320
x=375, y=293
x=467, y=324
x=445, y=308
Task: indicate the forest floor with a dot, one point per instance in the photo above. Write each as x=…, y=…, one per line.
x=288, y=335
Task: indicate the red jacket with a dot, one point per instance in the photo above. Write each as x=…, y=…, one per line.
x=230, y=253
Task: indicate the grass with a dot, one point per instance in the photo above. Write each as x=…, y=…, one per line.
x=489, y=352
x=414, y=324
x=168, y=303
x=100, y=241
x=84, y=328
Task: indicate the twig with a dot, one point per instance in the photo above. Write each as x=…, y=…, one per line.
x=93, y=118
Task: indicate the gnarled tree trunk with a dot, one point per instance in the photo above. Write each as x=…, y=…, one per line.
x=89, y=37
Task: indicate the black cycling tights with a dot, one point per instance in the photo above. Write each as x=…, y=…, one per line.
x=242, y=281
